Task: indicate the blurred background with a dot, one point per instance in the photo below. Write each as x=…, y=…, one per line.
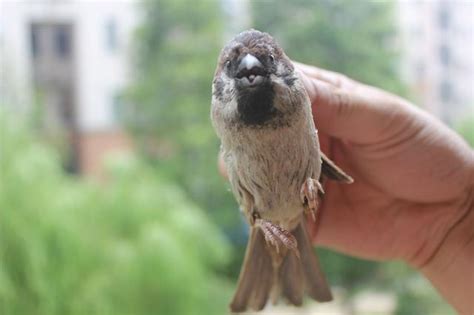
x=110, y=200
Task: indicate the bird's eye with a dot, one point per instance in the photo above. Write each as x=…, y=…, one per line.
x=227, y=64
x=272, y=58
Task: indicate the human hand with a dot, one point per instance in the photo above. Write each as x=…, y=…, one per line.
x=413, y=194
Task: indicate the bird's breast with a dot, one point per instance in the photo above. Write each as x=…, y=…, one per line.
x=272, y=165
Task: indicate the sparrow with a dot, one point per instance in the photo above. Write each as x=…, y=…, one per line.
x=262, y=114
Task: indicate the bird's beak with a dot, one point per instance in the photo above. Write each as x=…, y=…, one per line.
x=248, y=63
x=250, y=71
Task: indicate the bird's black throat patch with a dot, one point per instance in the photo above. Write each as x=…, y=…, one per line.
x=255, y=105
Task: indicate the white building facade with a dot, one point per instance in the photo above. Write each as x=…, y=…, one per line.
x=437, y=40
x=74, y=58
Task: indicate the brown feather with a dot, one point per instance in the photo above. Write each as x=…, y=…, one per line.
x=316, y=285
x=262, y=277
x=292, y=282
x=256, y=275
x=332, y=171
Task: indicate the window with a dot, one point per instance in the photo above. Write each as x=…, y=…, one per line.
x=444, y=54
x=443, y=17
x=62, y=41
x=111, y=35
x=34, y=40
x=445, y=91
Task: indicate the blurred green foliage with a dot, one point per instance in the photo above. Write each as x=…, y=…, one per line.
x=466, y=128
x=134, y=246
x=176, y=53
x=415, y=293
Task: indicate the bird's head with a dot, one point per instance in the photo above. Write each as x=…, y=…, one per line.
x=252, y=72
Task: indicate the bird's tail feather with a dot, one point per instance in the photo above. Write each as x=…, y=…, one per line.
x=315, y=282
x=266, y=275
x=256, y=275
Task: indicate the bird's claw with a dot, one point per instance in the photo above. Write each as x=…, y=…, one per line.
x=309, y=196
x=277, y=236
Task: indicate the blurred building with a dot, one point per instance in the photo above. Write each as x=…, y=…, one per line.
x=72, y=57
x=438, y=55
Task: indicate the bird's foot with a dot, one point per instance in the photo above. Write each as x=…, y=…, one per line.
x=277, y=236
x=309, y=196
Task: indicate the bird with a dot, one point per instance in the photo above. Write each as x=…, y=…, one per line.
x=269, y=143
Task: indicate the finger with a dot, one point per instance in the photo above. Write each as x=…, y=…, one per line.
x=359, y=116
x=332, y=78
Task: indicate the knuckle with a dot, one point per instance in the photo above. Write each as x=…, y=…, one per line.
x=343, y=104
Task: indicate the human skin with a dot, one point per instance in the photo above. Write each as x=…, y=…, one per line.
x=413, y=195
